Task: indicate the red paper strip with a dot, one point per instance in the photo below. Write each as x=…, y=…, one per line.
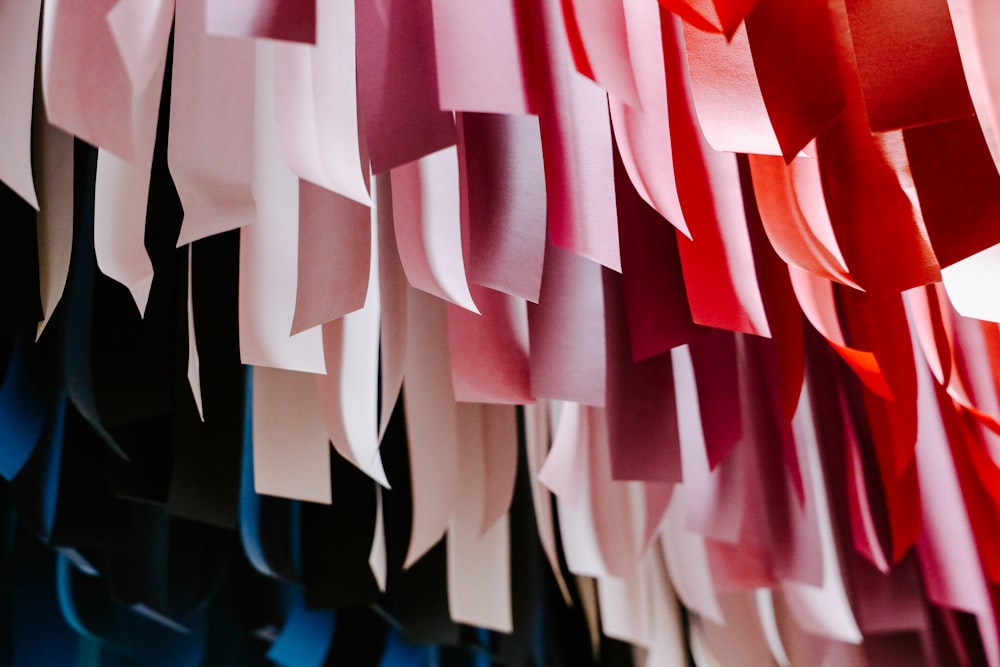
x=717, y=376
x=489, y=351
x=908, y=62
x=794, y=56
x=397, y=83
x=958, y=186
x=503, y=197
x=478, y=52
x=717, y=261
x=713, y=15
x=566, y=331
x=785, y=223
x=643, y=439
x=576, y=142
x=867, y=206
x=643, y=134
x=290, y=20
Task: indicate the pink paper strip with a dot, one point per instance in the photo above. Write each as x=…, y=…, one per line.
x=489, y=351
x=291, y=20
x=18, y=46
x=269, y=251
x=478, y=52
x=334, y=255
x=291, y=453
x=86, y=86
x=602, y=29
x=643, y=132
x=576, y=137
x=210, y=149
x=503, y=193
x=397, y=83
x=500, y=439
x=431, y=424
x=318, y=107
x=566, y=331
x=687, y=561
x=427, y=219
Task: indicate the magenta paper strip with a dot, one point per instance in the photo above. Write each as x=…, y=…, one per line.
x=503, y=198
x=290, y=20
x=566, y=331
x=398, y=103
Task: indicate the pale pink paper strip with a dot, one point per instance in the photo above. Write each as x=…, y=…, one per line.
x=478, y=55
x=210, y=149
x=643, y=134
x=565, y=468
x=479, y=590
x=741, y=640
x=687, y=561
x=712, y=505
x=392, y=303
x=377, y=557
x=431, y=423
x=602, y=27
x=427, y=218
x=122, y=186
x=18, y=46
x=667, y=646
x=349, y=391
x=86, y=87
x=489, y=352
x=318, y=105
x=194, y=362
x=821, y=610
x=54, y=162
x=334, y=255
x=625, y=608
x=579, y=169
x=970, y=285
x=291, y=453
x=536, y=432
x=500, y=442
x=769, y=624
x=269, y=250
x=293, y=20
x=726, y=93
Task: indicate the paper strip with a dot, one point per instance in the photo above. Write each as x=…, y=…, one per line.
x=210, y=149
x=317, y=104
x=397, y=83
x=18, y=46
x=291, y=20
x=291, y=451
x=269, y=250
